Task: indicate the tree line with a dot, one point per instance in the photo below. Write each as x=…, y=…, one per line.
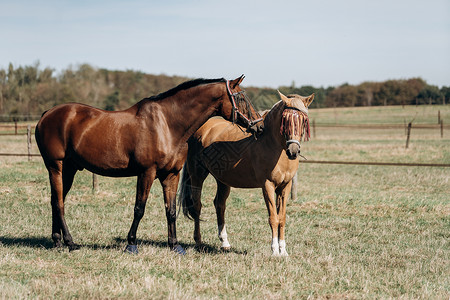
x=30, y=90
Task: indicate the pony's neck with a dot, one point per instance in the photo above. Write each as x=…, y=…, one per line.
x=272, y=124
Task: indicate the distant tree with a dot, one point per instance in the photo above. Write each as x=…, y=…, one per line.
x=344, y=95
x=430, y=94
x=112, y=101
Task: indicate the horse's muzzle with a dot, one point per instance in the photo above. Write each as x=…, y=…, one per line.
x=293, y=149
x=256, y=129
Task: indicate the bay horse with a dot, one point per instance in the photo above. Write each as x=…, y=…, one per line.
x=236, y=159
x=147, y=140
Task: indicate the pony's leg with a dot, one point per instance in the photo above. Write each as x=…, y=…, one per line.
x=57, y=181
x=282, y=197
x=196, y=189
x=144, y=183
x=269, y=198
x=198, y=174
x=223, y=191
x=170, y=185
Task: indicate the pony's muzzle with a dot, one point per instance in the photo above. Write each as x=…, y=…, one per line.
x=293, y=149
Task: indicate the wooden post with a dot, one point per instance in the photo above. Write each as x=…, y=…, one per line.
x=314, y=128
x=439, y=117
x=294, y=188
x=29, y=141
x=442, y=129
x=94, y=183
x=408, y=134
x=15, y=127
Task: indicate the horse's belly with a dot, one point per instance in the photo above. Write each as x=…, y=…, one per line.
x=237, y=175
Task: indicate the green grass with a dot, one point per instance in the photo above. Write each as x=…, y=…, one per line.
x=354, y=232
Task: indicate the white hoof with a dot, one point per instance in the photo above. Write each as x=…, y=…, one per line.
x=283, y=251
x=275, y=247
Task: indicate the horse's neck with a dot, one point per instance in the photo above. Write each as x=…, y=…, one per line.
x=187, y=110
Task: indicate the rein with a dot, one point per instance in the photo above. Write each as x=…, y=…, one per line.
x=241, y=97
x=290, y=123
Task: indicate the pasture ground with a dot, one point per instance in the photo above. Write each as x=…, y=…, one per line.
x=354, y=232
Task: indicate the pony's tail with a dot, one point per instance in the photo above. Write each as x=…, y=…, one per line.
x=185, y=197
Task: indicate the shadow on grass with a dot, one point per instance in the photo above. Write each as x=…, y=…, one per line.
x=205, y=248
x=31, y=242
x=118, y=244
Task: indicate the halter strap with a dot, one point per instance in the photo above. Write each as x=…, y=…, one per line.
x=292, y=142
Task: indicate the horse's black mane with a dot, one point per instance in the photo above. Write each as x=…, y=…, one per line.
x=184, y=86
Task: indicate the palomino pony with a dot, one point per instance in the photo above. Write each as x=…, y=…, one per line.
x=147, y=140
x=238, y=160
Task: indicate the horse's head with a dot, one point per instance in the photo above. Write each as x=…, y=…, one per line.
x=295, y=122
x=239, y=109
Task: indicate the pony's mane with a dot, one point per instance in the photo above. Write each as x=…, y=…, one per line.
x=184, y=86
x=270, y=114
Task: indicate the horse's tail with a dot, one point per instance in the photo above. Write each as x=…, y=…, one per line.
x=185, y=197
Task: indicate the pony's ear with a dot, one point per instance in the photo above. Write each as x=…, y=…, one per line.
x=237, y=81
x=307, y=100
x=283, y=97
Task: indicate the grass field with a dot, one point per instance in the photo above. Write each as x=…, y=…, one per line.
x=354, y=232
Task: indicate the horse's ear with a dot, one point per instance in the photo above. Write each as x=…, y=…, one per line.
x=283, y=97
x=237, y=81
x=307, y=101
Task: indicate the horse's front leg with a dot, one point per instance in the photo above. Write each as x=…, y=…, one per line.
x=144, y=183
x=170, y=185
x=282, y=197
x=269, y=198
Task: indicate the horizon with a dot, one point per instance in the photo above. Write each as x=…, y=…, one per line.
x=322, y=44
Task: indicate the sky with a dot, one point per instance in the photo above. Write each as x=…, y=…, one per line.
x=274, y=43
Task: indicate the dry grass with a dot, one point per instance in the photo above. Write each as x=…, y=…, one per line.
x=355, y=232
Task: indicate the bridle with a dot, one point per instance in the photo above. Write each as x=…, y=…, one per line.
x=241, y=97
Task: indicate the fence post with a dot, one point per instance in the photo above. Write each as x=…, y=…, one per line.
x=29, y=141
x=294, y=188
x=94, y=183
x=15, y=127
x=408, y=134
x=314, y=127
x=439, y=117
x=442, y=129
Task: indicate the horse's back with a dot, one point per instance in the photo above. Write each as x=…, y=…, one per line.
x=219, y=130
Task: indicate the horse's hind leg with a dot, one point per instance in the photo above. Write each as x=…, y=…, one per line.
x=61, y=178
x=223, y=191
x=196, y=188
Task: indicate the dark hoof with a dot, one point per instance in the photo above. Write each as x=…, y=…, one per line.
x=179, y=250
x=57, y=245
x=131, y=249
x=73, y=247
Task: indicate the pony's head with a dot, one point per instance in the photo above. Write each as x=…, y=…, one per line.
x=239, y=109
x=295, y=122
